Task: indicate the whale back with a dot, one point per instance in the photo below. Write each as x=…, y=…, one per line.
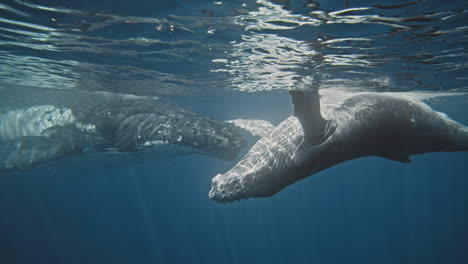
x=142, y=131
x=395, y=128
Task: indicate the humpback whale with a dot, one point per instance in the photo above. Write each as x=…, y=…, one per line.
x=366, y=124
x=38, y=125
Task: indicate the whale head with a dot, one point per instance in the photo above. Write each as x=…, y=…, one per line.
x=267, y=168
x=264, y=179
x=295, y=149
x=274, y=162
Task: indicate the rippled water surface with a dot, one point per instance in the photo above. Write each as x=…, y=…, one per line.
x=191, y=47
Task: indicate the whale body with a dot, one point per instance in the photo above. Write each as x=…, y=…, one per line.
x=367, y=124
x=37, y=125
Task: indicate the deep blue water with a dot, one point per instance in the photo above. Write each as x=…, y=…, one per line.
x=131, y=210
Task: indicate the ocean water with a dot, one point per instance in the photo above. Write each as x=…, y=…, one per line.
x=227, y=60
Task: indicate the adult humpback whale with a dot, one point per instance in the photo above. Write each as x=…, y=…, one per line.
x=43, y=124
x=368, y=124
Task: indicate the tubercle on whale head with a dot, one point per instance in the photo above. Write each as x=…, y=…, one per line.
x=266, y=176
x=262, y=172
x=229, y=187
x=238, y=184
x=264, y=181
x=219, y=191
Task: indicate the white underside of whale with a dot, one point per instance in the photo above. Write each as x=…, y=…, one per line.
x=34, y=120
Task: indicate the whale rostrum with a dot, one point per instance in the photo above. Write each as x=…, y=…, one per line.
x=366, y=124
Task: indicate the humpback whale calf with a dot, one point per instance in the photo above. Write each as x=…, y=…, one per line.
x=38, y=125
x=367, y=124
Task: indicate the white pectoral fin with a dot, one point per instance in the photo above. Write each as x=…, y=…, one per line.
x=256, y=127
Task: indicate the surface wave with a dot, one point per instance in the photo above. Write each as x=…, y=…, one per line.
x=211, y=47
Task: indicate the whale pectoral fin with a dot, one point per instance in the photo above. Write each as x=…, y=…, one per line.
x=306, y=107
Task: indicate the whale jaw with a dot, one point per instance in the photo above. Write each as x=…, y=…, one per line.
x=219, y=189
x=230, y=188
x=264, y=178
x=260, y=181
